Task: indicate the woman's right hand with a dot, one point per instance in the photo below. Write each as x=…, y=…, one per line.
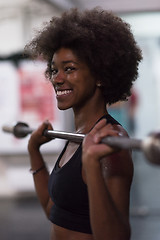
x=37, y=138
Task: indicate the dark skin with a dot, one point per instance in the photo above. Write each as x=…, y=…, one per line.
x=106, y=171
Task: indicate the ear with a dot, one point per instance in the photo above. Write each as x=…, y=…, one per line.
x=98, y=84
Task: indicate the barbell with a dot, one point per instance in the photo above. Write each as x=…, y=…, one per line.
x=150, y=146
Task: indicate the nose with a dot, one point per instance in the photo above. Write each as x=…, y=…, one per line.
x=58, y=78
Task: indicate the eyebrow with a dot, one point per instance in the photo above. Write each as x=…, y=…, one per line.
x=65, y=62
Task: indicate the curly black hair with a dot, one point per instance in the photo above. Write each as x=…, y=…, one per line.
x=101, y=39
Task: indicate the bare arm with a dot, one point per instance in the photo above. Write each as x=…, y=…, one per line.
x=108, y=185
x=36, y=159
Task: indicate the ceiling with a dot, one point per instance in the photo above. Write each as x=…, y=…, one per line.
x=114, y=5
x=19, y=18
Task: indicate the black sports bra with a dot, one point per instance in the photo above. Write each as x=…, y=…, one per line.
x=69, y=193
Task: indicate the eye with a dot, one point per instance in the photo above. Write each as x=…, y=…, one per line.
x=69, y=69
x=54, y=71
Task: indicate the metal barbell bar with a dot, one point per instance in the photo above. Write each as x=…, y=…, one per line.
x=150, y=146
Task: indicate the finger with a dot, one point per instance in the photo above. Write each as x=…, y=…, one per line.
x=102, y=150
x=48, y=125
x=98, y=126
x=45, y=125
x=107, y=131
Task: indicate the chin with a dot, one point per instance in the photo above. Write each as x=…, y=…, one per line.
x=63, y=107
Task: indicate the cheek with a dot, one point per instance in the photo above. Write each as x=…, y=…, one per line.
x=88, y=89
x=90, y=83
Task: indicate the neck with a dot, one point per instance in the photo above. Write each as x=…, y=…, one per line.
x=88, y=115
x=84, y=124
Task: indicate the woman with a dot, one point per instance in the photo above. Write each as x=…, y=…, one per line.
x=92, y=62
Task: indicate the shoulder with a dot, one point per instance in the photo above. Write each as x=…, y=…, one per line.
x=119, y=163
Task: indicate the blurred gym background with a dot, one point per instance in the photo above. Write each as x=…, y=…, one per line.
x=26, y=96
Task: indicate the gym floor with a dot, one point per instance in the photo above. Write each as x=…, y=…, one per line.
x=22, y=218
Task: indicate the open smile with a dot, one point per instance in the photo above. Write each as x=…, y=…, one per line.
x=63, y=92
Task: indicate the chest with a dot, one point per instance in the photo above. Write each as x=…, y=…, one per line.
x=68, y=153
x=66, y=182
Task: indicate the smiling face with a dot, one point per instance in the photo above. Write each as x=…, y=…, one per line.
x=72, y=80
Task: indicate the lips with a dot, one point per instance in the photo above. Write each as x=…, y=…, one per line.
x=63, y=92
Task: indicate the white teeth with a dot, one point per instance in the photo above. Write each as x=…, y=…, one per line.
x=59, y=93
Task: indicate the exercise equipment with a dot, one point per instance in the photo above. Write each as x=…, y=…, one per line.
x=150, y=146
